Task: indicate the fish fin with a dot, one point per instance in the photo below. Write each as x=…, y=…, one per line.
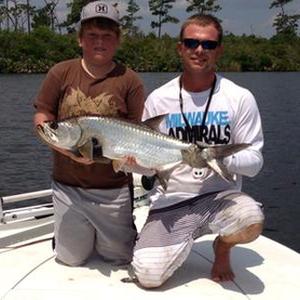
x=86, y=150
x=98, y=153
x=93, y=151
x=221, y=151
x=169, y=167
x=154, y=123
x=201, y=155
x=220, y=169
x=162, y=181
x=197, y=156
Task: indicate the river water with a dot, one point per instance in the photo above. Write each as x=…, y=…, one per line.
x=25, y=163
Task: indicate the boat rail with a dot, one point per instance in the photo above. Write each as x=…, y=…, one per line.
x=33, y=211
x=46, y=209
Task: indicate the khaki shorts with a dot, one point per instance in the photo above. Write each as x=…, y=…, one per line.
x=93, y=219
x=169, y=233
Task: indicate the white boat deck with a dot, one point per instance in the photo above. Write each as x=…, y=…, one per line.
x=264, y=270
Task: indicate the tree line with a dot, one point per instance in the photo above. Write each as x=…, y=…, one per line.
x=21, y=15
x=34, y=41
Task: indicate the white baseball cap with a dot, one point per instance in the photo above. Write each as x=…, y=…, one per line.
x=100, y=9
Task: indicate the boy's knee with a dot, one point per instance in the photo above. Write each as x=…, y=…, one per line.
x=70, y=262
x=71, y=259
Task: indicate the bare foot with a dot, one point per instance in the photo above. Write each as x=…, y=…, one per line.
x=221, y=270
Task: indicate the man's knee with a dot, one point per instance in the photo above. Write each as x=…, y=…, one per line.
x=244, y=236
x=252, y=232
x=148, y=276
x=150, y=272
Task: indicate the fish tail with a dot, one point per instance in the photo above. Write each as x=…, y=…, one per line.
x=202, y=155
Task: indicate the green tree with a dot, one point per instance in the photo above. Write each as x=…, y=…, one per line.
x=284, y=23
x=41, y=18
x=46, y=16
x=203, y=6
x=160, y=8
x=74, y=16
x=129, y=20
x=50, y=8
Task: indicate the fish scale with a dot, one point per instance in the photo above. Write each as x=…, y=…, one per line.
x=119, y=139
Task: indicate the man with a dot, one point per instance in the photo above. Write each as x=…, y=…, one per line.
x=201, y=106
x=92, y=203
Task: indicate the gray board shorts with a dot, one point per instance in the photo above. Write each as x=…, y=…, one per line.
x=88, y=220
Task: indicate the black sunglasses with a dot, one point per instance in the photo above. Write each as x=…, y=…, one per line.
x=205, y=44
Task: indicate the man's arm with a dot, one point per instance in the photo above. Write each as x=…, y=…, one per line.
x=247, y=128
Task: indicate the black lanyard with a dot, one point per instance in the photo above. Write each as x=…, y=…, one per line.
x=207, y=104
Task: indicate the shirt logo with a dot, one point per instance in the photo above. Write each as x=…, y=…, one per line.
x=101, y=8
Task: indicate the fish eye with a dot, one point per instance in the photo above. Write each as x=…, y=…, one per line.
x=53, y=125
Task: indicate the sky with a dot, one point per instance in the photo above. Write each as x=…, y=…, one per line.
x=238, y=16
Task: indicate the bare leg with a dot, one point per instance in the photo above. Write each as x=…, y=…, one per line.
x=221, y=270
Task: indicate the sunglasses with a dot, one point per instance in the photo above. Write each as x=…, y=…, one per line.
x=205, y=44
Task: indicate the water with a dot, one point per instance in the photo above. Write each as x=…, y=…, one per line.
x=26, y=163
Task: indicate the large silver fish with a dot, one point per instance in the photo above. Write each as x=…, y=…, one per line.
x=152, y=151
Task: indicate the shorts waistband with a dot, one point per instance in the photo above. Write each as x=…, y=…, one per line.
x=182, y=204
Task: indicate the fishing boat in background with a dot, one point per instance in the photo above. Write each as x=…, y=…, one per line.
x=264, y=269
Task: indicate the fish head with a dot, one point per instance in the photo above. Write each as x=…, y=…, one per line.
x=62, y=134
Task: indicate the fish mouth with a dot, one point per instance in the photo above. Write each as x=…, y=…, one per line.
x=47, y=133
x=40, y=130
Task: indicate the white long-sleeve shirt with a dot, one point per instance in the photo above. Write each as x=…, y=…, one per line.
x=233, y=117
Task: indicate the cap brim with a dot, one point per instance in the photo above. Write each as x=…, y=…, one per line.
x=102, y=17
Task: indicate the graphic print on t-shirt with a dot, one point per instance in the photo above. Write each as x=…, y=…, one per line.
x=77, y=103
x=216, y=130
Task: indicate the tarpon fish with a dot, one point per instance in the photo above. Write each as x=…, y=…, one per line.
x=118, y=139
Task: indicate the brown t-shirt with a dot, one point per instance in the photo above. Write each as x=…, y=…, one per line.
x=68, y=91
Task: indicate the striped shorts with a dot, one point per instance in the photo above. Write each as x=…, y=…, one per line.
x=168, y=234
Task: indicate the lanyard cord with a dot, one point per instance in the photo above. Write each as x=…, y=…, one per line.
x=206, y=108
